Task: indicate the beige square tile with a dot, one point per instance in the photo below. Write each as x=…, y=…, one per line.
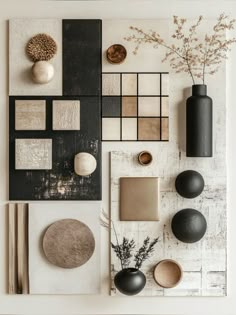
x=30, y=115
x=149, y=106
x=149, y=84
x=111, y=84
x=165, y=106
x=129, y=129
x=129, y=106
x=33, y=154
x=66, y=115
x=110, y=129
x=149, y=129
x=165, y=84
x=164, y=129
x=129, y=84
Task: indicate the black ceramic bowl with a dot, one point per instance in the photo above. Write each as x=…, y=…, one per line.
x=189, y=184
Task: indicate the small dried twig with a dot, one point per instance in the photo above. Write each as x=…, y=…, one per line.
x=190, y=54
x=145, y=251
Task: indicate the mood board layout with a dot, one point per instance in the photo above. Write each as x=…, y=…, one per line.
x=76, y=86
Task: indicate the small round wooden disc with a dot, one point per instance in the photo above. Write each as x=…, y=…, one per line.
x=116, y=54
x=68, y=243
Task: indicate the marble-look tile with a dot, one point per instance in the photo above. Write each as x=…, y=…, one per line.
x=129, y=129
x=111, y=84
x=66, y=115
x=111, y=106
x=33, y=154
x=110, y=129
x=129, y=106
x=149, y=129
x=149, y=106
x=164, y=128
x=149, y=84
x=129, y=84
x=30, y=115
x=165, y=106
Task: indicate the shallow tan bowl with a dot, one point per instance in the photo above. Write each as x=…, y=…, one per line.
x=167, y=273
x=116, y=54
x=145, y=158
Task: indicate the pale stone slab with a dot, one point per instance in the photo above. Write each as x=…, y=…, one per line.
x=111, y=129
x=33, y=154
x=111, y=84
x=129, y=84
x=129, y=129
x=66, y=115
x=30, y=114
x=20, y=80
x=149, y=106
x=149, y=84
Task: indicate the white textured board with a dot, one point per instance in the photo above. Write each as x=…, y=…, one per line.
x=204, y=263
x=20, y=80
x=66, y=115
x=45, y=278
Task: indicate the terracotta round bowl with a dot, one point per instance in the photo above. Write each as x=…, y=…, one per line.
x=116, y=54
x=145, y=158
x=167, y=273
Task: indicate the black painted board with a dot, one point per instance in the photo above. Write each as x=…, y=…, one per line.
x=82, y=42
x=60, y=183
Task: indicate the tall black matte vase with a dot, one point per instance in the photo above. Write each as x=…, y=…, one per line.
x=199, y=123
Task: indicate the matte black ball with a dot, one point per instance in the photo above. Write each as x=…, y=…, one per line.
x=189, y=225
x=130, y=281
x=189, y=184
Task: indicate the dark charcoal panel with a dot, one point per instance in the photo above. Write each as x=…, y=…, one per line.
x=82, y=57
x=111, y=106
x=60, y=183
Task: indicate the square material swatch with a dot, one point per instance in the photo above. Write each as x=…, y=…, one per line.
x=135, y=106
x=33, y=154
x=66, y=115
x=30, y=115
x=139, y=198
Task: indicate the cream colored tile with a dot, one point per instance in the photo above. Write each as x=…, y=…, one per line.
x=33, y=154
x=66, y=115
x=149, y=106
x=149, y=84
x=111, y=129
x=165, y=84
x=165, y=106
x=111, y=84
x=129, y=84
x=30, y=114
x=129, y=129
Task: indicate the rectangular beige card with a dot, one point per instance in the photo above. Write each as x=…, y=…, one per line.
x=139, y=199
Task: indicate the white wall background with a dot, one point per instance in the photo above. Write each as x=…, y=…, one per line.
x=104, y=304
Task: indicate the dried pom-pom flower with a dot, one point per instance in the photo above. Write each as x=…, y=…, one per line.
x=41, y=47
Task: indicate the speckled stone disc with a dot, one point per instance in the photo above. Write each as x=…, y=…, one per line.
x=68, y=243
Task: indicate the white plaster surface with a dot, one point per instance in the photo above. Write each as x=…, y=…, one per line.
x=20, y=77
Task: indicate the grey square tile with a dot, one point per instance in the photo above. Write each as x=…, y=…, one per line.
x=111, y=106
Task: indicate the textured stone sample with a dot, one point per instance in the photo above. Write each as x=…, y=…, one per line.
x=33, y=154
x=149, y=129
x=149, y=106
x=20, y=79
x=110, y=106
x=111, y=84
x=129, y=106
x=66, y=115
x=129, y=84
x=149, y=84
x=30, y=114
x=129, y=129
x=111, y=128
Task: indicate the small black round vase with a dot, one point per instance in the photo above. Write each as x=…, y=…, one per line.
x=189, y=184
x=189, y=225
x=130, y=281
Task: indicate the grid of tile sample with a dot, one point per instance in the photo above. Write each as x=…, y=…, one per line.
x=49, y=124
x=135, y=106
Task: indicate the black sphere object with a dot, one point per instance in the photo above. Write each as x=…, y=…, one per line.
x=130, y=281
x=199, y=123
x=189, y=184
x=189, y=225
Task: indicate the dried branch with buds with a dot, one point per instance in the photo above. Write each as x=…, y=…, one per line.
x=189, y=53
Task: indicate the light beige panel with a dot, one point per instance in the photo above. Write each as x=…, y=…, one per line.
x=66, y=115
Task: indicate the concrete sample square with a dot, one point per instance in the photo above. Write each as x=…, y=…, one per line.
x=149, y=84
x=149, y=106
x=30, y=115
x=110, y=106
x=129, y=106
x=111, y=129
x=139, y=199
x=129, y=129
x=149, y=129
x=129, y=84
x=66, y=115
x=33, y=154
